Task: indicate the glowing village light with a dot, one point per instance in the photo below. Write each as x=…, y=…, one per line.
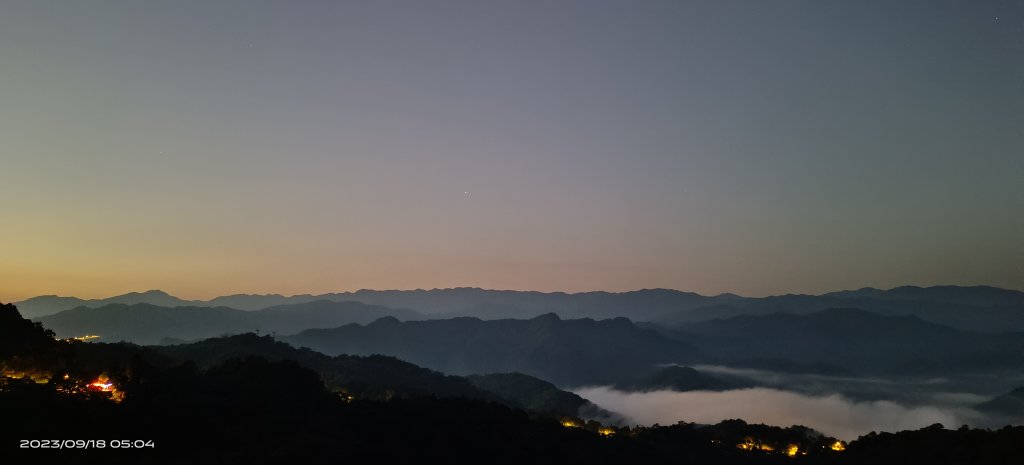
x=102, y=383
x=105, y=387
x=751, y=444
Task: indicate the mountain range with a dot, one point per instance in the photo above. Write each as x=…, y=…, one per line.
x=268, y=402
x=565, y=352
x=854, y=339
x=976, y=308
x=573, y=352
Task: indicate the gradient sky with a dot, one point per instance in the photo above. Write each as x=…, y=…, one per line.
x=216, y=147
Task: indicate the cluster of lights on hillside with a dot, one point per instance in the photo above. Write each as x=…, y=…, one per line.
x=68, y=385
x=751, y=444
x=101, y=386
x=791, y=450
x=86, y=338
x=104, y=384
x=748, y=443
x=38, y=377
x=83, y=338
x=603, y=430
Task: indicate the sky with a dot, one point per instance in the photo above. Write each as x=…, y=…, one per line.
x=208, y=148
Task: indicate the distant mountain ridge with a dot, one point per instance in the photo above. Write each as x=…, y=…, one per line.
x=50, y=304
x=977, y=308
x=444, y=302
x=972, y=295
x=44, y=305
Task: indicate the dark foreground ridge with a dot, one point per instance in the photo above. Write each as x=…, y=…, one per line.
x=248, y=409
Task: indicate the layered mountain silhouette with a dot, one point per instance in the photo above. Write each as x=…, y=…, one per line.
x=565, y=352
x=151, y=324
x=268, y=402
x=977, y=308
x=368, y=377
x=836, y=342
x=50, y=304
x=28, y=347
x=855, y=339
x=383, y=377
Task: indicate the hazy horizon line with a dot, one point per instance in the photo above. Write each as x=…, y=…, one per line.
x=201, y=299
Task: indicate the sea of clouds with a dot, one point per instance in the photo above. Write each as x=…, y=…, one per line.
x=832, y=414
